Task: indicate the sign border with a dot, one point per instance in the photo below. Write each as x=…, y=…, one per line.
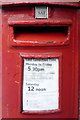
x=42, y=56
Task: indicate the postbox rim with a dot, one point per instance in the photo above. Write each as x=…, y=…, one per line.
x=37, y=2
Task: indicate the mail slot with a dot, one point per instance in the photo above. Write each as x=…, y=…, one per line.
x=40, y=35
x=40, y=60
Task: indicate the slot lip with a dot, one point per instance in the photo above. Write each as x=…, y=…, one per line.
x=38, y=43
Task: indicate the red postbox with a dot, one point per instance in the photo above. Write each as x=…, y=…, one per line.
x=40, y=59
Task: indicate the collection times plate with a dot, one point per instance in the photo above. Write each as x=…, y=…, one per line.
x=40, y=84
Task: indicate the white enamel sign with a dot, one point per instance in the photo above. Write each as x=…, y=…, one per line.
x=41, y=84
x=41, y=12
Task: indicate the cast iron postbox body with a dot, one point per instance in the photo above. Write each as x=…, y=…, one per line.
x=40, y=53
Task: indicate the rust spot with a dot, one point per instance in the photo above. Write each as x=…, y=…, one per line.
x=45, y=23
x=36, y=23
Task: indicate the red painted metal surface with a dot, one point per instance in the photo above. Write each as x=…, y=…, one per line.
x=0, y=64
x=79, y=56
x=15, y=49
x=75, y=3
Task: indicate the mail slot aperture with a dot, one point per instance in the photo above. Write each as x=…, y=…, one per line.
x=40, y=35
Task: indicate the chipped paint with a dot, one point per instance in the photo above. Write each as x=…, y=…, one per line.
x=17, y=82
